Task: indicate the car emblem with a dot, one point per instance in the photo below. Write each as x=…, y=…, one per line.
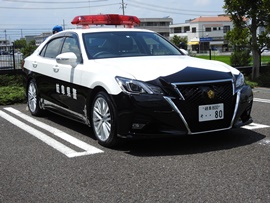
x=211, y=94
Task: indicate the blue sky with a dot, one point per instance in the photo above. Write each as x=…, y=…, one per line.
x=26, y=17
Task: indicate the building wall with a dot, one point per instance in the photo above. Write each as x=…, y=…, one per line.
x=40, y=38
x=159, y=25
x=205, y=33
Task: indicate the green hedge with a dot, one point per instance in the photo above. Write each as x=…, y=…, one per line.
x=11, y=89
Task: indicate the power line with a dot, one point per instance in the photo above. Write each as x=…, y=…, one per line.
x=54, y=2
x=59, y=8
x=169, y=12
x=169, y=9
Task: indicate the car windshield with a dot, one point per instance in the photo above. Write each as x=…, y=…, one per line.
x=127, y=44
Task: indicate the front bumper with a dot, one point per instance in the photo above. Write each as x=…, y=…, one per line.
x=154, y=115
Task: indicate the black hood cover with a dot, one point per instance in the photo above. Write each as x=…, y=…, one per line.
x=191, y=74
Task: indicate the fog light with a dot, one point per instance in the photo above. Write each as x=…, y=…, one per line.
x=137, y=126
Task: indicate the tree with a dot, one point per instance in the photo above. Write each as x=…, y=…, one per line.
x=252, y=15
x=29, y=48
x=239, y=39
x=177, y=40
x=20, y=43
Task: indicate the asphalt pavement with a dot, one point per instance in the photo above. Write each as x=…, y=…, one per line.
x=231, y=166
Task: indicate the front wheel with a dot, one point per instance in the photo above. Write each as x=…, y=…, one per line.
x=33, y=99
x=103, y=120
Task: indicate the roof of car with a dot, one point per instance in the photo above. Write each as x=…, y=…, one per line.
x=90, y=30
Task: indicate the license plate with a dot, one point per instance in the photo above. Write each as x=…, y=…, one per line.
x=211, y=112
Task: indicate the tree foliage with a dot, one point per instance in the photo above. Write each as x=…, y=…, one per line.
x=24, y=47
x=29, y=48
x=239, y=39
x=252, y=15
x=20, y=43
x=177, y=40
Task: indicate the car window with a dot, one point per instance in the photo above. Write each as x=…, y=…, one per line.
x=71, y=45
x=126, y=44
x=157, y=45
x=52, y=49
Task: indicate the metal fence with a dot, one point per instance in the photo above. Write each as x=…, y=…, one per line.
x=9, y=59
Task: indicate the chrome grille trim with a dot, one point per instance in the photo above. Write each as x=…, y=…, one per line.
x=206, y=82
x=177, y=110
x=174, y=107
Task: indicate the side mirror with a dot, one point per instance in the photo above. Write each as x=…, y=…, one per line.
x=185, y=52
x=68, y=58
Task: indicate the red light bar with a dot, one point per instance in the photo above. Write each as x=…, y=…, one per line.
x=108, y=19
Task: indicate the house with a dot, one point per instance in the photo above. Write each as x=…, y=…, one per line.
x=204, y=33
x=159, y=25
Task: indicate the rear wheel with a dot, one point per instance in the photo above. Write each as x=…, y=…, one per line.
x=103, y=120
x=33, y=100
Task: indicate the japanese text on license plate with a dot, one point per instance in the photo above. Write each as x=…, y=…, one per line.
x=211, y=112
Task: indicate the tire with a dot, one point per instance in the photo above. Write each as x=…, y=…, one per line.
x=103, y=120
x=33, y=100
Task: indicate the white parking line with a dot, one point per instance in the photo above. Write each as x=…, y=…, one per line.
x=48, y=140
x=261, y=100
x=265, y=142
x=253, y=126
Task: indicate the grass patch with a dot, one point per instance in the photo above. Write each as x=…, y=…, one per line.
x=222, y=58
x=251, y=83
x=265, y=60
x=263, y=80
x=227, y=58
x=11, y=89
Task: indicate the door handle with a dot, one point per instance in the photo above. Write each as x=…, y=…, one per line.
x=34, y=64
x=56, y=69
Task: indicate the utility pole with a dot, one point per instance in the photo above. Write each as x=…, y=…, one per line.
x=5, y=31
x=123, y=5
x=64, y=25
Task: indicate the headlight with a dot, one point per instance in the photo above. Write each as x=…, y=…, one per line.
x=240, y=80
x=137, y=87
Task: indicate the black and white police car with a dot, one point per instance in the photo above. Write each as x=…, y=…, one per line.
x=126, y=82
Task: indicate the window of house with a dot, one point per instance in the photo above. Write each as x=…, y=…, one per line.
x=177, y=30
x=193, y=30
x=208, y=29
x=226, y=28
x=186, y=29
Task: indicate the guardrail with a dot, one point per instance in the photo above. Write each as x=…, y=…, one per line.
x=247, y=70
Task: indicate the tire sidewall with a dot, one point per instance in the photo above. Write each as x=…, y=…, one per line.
x=112, y=139
x=37, y=111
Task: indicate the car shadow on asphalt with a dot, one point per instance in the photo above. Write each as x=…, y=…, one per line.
x=173, y=145
x=192, y=144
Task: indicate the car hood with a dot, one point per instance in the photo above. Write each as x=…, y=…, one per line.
x=171, y=68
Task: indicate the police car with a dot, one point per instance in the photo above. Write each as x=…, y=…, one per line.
x=127, y=82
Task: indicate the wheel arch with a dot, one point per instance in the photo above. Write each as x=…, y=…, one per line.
x=90, y=98
x=100, y=92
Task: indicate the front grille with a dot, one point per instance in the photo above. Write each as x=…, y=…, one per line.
x=196, y=95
